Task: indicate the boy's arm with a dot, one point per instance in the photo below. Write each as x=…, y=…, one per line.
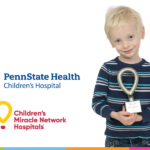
x=113, y=115
x=99, y=101
x=145, y=114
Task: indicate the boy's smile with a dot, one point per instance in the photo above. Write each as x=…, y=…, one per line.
x=127, y=42
x=128, y=51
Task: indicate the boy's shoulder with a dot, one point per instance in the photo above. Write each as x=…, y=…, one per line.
x=147, y=62
x=110, y=63
x=107, y=65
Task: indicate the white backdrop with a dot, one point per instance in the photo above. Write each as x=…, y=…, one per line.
x=58, y=36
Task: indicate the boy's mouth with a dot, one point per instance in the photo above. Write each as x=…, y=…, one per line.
x=128, y=51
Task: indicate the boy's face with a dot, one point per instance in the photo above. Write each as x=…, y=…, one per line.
x=127, y=41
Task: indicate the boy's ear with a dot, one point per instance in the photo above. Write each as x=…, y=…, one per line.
x=112, y=45
x=142, y=32
x=110, y=42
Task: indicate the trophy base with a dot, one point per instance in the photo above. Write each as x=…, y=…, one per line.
x=133, y=107
x=139, y=113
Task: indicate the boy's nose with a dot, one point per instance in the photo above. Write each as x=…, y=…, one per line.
x=125, y=45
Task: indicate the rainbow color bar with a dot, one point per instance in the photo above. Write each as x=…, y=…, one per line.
x=74, y=148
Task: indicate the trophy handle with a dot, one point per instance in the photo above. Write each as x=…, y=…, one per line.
x=136, y=79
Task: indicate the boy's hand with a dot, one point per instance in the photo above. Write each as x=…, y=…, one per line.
x=126, y=118
x=138, y=118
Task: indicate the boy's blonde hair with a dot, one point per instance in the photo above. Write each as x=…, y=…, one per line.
x=118, y=16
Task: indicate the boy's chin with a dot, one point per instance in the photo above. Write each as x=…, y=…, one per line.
x=127, y=56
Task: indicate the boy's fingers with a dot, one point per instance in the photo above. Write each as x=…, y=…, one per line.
x=131, y=118
x=130, y=123
x=123, y=108
x=135, y=116
x=125, y=113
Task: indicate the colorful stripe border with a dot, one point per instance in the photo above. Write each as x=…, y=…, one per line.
x=74, y=148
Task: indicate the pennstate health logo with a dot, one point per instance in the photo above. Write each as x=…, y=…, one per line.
x=8, y=114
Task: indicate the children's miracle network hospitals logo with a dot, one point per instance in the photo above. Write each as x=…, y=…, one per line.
x=8, y=114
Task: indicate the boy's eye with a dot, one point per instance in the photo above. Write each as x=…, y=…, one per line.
x=117, y=41
x=131, y=37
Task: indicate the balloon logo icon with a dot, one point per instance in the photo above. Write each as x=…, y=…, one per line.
x=8, y=114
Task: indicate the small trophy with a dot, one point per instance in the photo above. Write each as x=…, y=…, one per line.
x=131, y=106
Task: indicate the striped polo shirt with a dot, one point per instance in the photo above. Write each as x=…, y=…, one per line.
x=108, y=97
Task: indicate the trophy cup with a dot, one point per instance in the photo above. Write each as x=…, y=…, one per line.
x=131, y=106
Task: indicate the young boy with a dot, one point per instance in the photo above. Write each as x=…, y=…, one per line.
x=124, y=30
